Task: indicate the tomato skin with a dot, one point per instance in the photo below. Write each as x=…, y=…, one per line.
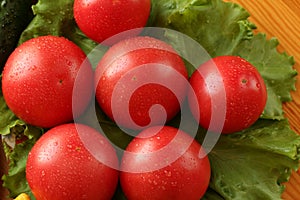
x=38, y=81
x=101, y=19
x=59, y=167
x=185, y=178
x=245, y=91
x=129, y=63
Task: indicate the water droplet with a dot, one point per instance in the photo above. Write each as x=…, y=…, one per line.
x=174, y=183
x=69, y=63
x=168, y=173
x=43, y=173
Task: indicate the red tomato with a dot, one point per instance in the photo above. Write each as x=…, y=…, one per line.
x=244, y=90
x=164, y=163
x=102, y=19
x=136, y=74
x=38, y=81
x=61, y=167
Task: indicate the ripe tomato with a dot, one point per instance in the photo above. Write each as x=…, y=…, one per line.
x=136, y=74
x=60, y=166
x=164, y=163
x=101, y=19
x=244, y=89
x=38, y=81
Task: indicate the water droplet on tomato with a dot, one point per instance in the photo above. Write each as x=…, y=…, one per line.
x=258, y=85
x=69, y=63
x=168, y=173
x=43, y=173
x=174, y=183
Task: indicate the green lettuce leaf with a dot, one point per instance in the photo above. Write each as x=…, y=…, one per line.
x=252, y=164
x=56, y=18
x=218, y=26
x=8, y=120
x=15, y=181
x=51, y=17
x=223, y=29
x=211, y=195
x=105, y=125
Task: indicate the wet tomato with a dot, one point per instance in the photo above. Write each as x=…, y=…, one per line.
x=72, y=161
x=163, y=162
x=38, y=81
x=102, y=19
x=141, y=82
x=230, y=88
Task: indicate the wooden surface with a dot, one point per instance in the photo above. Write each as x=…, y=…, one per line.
x=280, y=19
